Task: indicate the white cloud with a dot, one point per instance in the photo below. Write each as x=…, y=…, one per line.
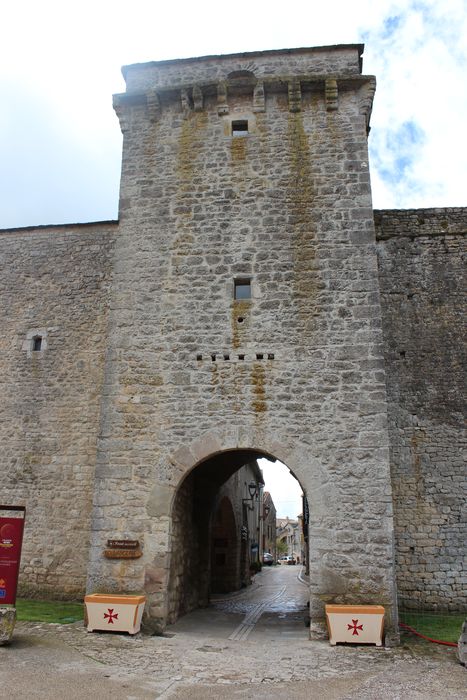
x=420, y=60
x=285, y=490
x=64, y=60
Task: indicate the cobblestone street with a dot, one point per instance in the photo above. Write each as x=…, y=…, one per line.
x=274, y=607
x=250, y=645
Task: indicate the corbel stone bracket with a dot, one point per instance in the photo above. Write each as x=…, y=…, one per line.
x=295, y=96
x=367, y=93
x=331, y=94
x=259, y=104
x=121, y=112
x=222, y=106
x=153, y=105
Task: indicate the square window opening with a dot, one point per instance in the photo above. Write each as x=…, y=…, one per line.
x=240, y=127
x=242, y=289
x=37, y=343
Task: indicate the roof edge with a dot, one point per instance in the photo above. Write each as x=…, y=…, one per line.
x=246, y=54
x=47, y=226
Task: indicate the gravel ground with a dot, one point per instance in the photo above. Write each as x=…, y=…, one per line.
x=202, y=658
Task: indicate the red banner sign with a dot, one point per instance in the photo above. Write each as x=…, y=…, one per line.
x=11, y=539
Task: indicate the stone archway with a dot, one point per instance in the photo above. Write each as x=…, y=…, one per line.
x=192, y=570
x=349, y=495
x=350, y=551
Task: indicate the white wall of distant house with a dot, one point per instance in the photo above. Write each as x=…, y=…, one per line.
x=285, y=490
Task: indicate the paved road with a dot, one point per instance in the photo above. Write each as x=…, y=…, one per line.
x=273, y=608
x=253, y=646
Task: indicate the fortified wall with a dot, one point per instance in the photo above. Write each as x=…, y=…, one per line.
x=54, y=290
x=421, y=260
x=343, y=361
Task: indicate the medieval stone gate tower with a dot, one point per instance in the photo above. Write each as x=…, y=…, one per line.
x=237, y=309
x=245, y=316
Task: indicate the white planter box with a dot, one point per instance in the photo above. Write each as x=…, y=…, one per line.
x=357, y=624
x=114, y=613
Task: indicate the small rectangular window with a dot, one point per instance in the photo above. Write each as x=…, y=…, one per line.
x=37, y=343
x=242, y=289
x=240, y=127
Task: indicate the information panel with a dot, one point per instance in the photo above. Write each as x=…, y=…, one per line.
x=11, y=539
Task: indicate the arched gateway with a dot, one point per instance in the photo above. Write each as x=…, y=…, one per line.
x=339, y=521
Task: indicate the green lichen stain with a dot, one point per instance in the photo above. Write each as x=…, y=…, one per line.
x=240, y=379
x=238, y=147
x=214, y=374
x=190, y=140
x=264, y=137
x=240, y=309
x=190, y=145
x=300, y=202
x=259, y=392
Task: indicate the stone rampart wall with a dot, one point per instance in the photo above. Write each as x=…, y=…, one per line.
x=54, y=286
x=422, y=277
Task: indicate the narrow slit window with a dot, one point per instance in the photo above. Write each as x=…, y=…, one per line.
x=37, y=343
x=242, y=289
x=240, y=127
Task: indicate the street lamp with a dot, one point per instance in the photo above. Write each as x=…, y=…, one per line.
x=253, y=491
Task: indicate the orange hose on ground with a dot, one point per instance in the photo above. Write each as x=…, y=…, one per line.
x=429, y=639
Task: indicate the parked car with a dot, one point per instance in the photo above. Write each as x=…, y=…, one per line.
x=286, y=560
x=268, y=559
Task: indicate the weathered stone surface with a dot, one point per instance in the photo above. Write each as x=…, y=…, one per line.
x=422, y=280
x=285, y=205
x=7, y=624
x=55, y=281
x=344, y=363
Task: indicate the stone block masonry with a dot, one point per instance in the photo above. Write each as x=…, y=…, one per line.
x=266, y=183
x=421, y=256
x=54, y=287
x=241, y=306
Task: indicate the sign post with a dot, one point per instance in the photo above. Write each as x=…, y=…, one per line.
x=11, y=540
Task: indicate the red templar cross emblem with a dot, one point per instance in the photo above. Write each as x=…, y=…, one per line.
x=354, y=627
x=111, y=616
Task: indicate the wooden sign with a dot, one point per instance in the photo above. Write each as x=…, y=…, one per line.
x=122, y=553
x=123, y=544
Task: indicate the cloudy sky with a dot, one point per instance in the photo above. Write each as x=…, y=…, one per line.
x=285, y=490
x=60, y=63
